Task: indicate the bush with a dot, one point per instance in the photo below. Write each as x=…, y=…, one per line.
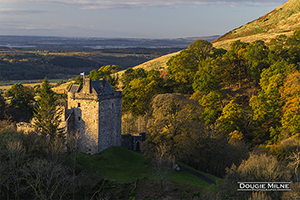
x=257, y=168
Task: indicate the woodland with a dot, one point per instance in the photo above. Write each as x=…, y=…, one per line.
x=22, y=64
x=230, y=113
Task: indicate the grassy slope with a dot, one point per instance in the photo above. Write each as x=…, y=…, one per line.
x=125, y=166
x=157, y=63
x=282, y=20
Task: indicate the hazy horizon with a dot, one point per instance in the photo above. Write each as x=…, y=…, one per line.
x=128, y=19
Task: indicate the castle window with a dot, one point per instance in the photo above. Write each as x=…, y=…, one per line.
x=78, y=105
x=79, y=118
x=113, y=105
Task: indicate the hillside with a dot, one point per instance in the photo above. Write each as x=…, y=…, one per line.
x=282, y=20
x=125, y=168
x=159, y=63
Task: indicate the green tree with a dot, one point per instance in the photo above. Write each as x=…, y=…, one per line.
x=233, y=118
x=278, y=50
x=21, y=97
x=182, y=67
x=257, y=57
x=207, y=77
x=138, y=93
x=47, y=113
x=235, y=60
x=107, y=73
x=211, y=103
x=131, y=74
x=267, y=105
x=293, y=44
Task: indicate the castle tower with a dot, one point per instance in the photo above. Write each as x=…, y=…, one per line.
x=95, y=111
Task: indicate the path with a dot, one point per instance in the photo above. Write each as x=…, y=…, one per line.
x=198, y=175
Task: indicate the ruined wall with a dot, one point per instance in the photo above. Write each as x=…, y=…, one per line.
x=133, y=142
x=126, y=141
x=86, y=120
x=110, y=121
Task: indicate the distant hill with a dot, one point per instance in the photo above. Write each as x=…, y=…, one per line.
x=283, y=20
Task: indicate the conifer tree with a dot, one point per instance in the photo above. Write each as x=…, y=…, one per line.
x=47, y=114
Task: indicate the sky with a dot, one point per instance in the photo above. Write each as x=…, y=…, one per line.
x=155, y=19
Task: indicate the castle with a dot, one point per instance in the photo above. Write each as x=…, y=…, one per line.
x=94, y=111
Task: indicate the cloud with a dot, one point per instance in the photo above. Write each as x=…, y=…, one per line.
x=10, y=11
x=105, y=4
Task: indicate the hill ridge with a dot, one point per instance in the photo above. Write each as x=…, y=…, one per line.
x=284, y=19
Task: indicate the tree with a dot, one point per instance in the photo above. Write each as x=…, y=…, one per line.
x=235, y=59
x=173, y=121
x=232, y=118
x=256, y=55
x=47, y=113
x=211, y=103
x=106, y=72
x=182, y=67
x=257, y=168
x=21, y=97
x=207, y=77
x=2, y=106
x=290, y=96
x=138, y=93
x=131, y=74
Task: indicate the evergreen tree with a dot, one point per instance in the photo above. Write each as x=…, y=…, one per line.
x=47, y=114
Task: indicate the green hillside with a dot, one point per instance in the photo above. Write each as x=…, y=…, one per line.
x=125, y=166
x=129, y=174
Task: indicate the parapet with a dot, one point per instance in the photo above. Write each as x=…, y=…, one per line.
x=93, y=90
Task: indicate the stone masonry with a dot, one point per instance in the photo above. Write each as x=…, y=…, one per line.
x=95, y=111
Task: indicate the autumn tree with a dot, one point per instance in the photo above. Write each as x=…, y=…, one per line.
x=232, y=117
x=266, y=105
x=211, y=103
x=173, y=121
x=47, y=112
x=290, y=96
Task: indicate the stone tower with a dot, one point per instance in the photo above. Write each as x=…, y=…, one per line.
x=95, y=111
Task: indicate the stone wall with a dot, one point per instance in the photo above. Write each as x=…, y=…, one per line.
x=110, y=123
x=97, y=111
x=133, y=142
x=86, y=120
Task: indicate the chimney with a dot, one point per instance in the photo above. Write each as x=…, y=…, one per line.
x=86, y=85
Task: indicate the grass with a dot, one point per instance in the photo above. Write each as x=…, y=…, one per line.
x=116, y=163
x=125, y=166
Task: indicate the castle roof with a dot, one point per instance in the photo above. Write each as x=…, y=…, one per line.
x=92, y=87
x=74, y=88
